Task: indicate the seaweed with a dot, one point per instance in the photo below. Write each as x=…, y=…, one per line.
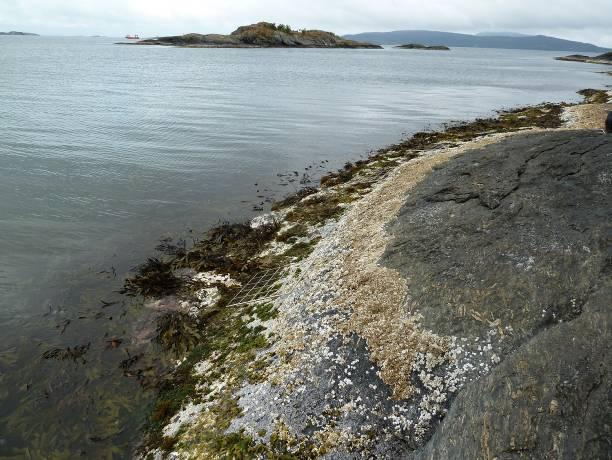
x=594, y=96
x=168, y=247
x=294, y=198
x=229, y=248
x=154, y=278
x=127, y=363
x=344, y=174
x=73, y=353
x=319, y=208
x=177, y=332
x=292, y=234
x=302, y=250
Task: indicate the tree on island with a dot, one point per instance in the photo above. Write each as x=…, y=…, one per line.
x=281, y=27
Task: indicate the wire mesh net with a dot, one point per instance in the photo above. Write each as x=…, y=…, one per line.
x=261, y=287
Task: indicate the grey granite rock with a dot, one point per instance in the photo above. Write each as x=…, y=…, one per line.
x=515, y=237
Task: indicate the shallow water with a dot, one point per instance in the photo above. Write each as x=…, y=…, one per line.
x=104, y=149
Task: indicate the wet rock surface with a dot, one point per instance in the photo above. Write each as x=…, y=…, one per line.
x=514, y=238
x=458, y=309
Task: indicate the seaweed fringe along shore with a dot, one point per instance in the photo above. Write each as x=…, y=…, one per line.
x=333, y=364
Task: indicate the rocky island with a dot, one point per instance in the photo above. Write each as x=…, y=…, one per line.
x=605, y=58
x=261, y=35
x=14, y=32
x=418, y=46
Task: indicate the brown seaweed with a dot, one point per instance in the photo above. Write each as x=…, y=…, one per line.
x=73, y=353
x=154, y=278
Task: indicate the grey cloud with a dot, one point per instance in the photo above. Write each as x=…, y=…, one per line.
x=586, y=20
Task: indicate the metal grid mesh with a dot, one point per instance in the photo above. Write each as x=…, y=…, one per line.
x=260, y=288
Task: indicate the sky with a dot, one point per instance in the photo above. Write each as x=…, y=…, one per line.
x=582, y=20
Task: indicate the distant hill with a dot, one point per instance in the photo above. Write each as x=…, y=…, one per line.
x=260, y=35
x=501, y=34
x=428, y=37
x=13, y=32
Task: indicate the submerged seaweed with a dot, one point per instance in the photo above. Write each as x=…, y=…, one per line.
x=154, y=278
x=168, y=247
x=177, y=332
x=73, y=353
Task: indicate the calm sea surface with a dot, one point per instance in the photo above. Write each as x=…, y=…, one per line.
x=105, y=149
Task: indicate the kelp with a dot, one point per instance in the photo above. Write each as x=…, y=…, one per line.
x=294, y=198
x=229, y=248
x=73, y=353
x=595, y=96
x=168, y=247
x=177, y=332
x=154, y=278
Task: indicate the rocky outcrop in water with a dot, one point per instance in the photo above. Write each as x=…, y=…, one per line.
x=514, y=238
x=417, y=46
x=13, y=32
x=260, y=35
x=605, y=58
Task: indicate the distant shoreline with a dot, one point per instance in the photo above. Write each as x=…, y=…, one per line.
x=430, y=37
x=15, y=33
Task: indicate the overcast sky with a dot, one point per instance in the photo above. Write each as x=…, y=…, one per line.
x=583, y=20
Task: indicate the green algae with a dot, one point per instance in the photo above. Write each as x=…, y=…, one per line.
x=266, y=312
x=292, y=234
x=301, y=250
x=232, y=347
